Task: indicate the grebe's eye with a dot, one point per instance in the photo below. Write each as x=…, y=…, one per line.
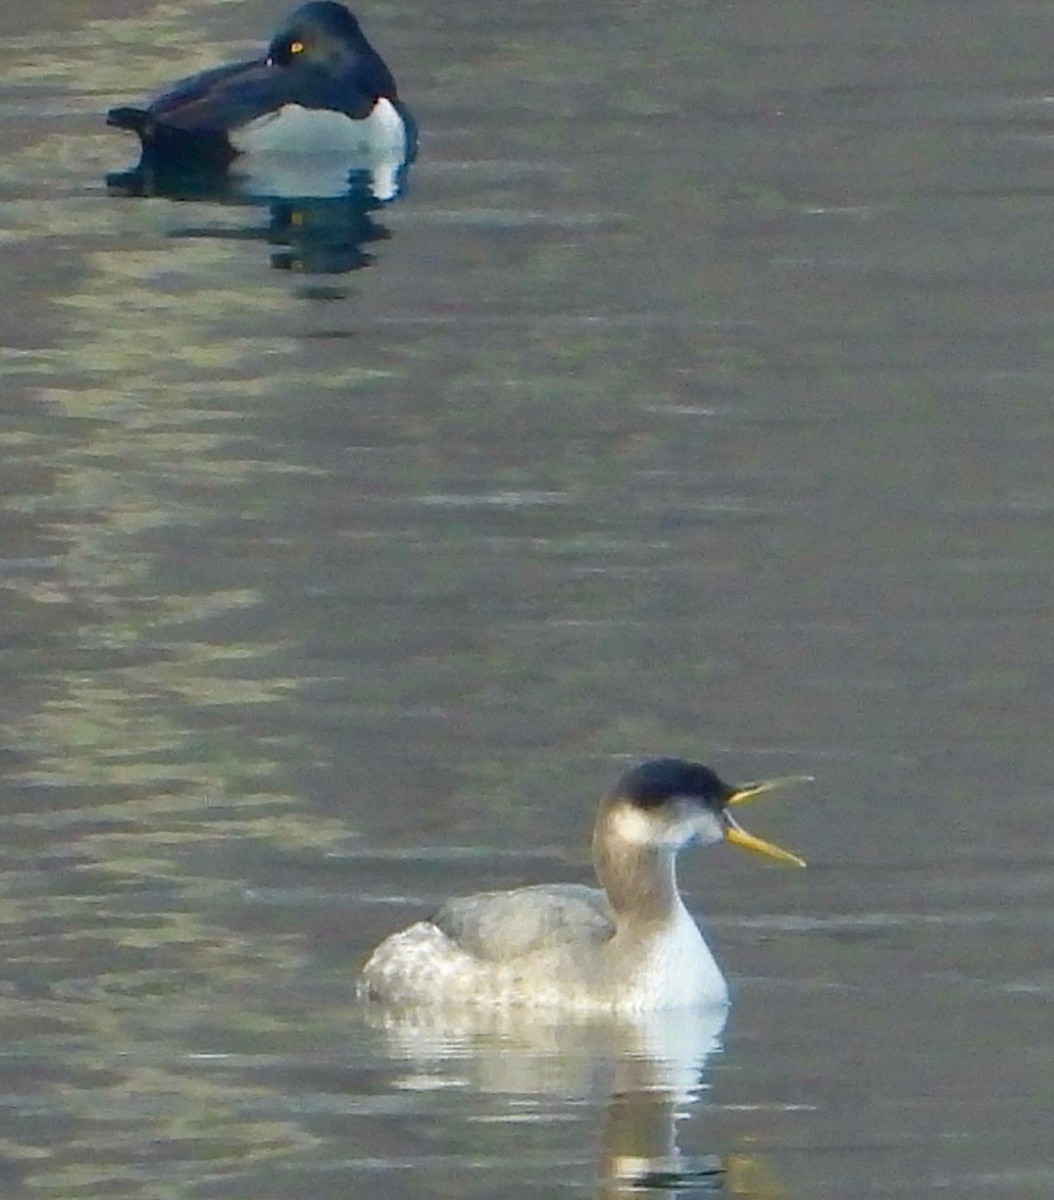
x=296, y=47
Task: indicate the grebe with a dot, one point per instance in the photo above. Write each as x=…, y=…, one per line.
x=630, y=946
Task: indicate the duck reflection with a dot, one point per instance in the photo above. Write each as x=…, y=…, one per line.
x=318, y=229
x=647, y=1071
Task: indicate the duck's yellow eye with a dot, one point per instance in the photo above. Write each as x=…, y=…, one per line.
x=296, y=47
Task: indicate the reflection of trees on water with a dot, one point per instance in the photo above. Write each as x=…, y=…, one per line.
x=151, y=744
x=162, y=670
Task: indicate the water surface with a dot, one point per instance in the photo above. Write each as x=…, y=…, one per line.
x=694, y=398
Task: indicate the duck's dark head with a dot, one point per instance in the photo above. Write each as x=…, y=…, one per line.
x=323, y=35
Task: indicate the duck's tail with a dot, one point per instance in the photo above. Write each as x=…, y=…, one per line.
x=135, y=119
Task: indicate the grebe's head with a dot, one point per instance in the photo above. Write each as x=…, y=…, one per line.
x=669, y=802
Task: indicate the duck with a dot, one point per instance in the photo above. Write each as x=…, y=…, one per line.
x=628, y=947
x=320, y=88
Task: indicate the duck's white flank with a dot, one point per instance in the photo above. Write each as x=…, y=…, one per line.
x=295, y=130
x=299, y=152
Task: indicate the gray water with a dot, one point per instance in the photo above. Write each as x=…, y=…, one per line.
x=693, y=399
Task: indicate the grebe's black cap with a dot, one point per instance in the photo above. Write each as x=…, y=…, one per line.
x=655, y=782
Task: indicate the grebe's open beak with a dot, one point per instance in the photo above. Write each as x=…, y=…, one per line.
x=738, y=836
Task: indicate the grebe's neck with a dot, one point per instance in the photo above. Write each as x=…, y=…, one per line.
x=638, y=874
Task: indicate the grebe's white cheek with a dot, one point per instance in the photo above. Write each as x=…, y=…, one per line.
x=632, y=826
x=673, y=825
x=689, y=822
x=710, y=829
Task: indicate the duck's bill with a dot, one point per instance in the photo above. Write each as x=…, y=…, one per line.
x=738, y=836
x=748, y=791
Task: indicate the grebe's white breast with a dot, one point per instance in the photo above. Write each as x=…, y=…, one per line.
x=680, y=971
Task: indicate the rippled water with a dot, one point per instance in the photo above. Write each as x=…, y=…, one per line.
x=694, y=398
